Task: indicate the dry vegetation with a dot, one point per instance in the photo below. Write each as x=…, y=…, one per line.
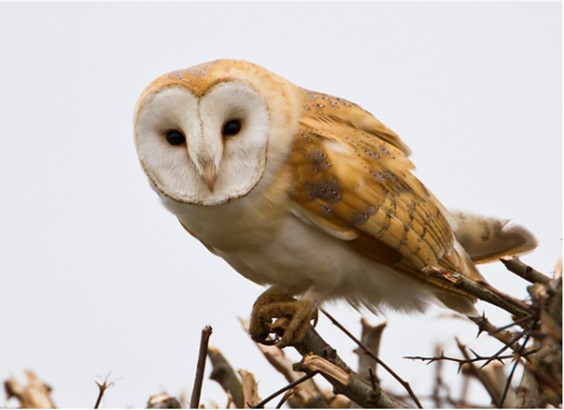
x=530, y=347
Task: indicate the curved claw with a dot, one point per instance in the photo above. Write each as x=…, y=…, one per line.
x=270, y=342
x=279, y=314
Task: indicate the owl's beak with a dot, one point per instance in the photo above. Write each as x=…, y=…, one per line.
x=210, y=176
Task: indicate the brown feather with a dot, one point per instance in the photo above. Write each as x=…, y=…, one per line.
x=353, y=175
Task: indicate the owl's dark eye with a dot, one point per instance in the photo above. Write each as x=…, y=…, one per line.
x=175, y=137
x=231, y=127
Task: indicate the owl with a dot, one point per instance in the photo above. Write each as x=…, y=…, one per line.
x=306, y=193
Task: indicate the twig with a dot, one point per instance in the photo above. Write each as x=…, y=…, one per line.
x=284, y=389
x=370, y=337
x=516, y=338
x=511, y=373
x=404, y=383
x=481, y=290
x=199, y=379
x=496, y=373
x=486, y=382
x=505, y=337
x=285, y=398
x=102, y=387
x=308, y=394
x=517, y=322
x=477, y=358
x=526, y=272
x=359, y=390
x=373, y=379
x=347, y=382
x=224, y=374
x=438, y=378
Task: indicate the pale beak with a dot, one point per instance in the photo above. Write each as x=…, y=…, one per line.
x=210, y=176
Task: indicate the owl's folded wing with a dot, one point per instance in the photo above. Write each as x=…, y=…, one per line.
x=356, y=184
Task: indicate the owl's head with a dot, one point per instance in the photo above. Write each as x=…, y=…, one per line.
x=204, y=135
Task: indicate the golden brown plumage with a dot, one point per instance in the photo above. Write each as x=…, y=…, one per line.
x=352, y=178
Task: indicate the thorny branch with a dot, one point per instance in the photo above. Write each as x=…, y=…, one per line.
x=481, y=290
x=367, y=351
x=463, y=361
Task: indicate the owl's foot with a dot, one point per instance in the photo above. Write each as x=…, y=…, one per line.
x=280, y=314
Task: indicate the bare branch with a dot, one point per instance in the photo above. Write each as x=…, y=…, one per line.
x=163, y=401
x=404, y=383
x=308, y=394
x=488, y=384
x=526, y=272
x=370, y=337
x=496, y=373
x=477, y=358
x=102, y=387
x=250, y=389
x=224, y=374
x=348, y=383
x=481, y=290
x=284, y=389
x=359, y=390
x=199, y=379
x=438, y=378
x=505, y=337
x=35, y=393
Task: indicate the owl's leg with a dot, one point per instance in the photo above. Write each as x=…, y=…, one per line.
x=278, y=312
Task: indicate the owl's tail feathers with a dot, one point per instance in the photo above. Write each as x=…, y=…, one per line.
x=487, y=239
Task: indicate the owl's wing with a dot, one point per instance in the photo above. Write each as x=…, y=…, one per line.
x=353, y=180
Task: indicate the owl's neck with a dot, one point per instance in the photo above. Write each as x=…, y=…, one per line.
x=251, y=221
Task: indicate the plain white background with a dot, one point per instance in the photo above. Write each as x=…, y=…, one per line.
x=95, y=276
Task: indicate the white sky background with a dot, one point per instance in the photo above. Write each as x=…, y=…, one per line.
x=95, y=276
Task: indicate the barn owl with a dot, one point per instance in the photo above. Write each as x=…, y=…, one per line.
x=307, y=193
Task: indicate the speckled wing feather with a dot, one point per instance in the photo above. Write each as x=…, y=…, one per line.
x=353, y=180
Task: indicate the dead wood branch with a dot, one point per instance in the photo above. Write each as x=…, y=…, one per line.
x=526, y=272
x=356, y=388
x=480, y=290
x=199, y=379
x=348, y=383
x=308, y=394
x=102, y=387
x=404, y=383
x=34, y=394
x=285, y=389
x=163, y=401
x=370, y=337
x=471, y=369
x=224, y=374
x=250, y=389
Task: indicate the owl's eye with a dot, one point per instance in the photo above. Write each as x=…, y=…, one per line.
x=175, y=137
x=231, y=127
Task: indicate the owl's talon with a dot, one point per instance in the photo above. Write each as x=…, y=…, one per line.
x=279, y=326
x=315, y=319
x=282, y=315
x=270, y=342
